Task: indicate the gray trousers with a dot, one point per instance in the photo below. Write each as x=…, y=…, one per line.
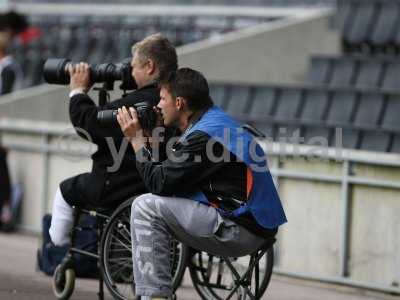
x=154, y=219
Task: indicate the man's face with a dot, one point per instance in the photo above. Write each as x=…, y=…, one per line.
x=139, y=71
x=168, y=107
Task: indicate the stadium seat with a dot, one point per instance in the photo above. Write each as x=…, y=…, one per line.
x=343, y=105
x=319, y=70
x=315, y=106
x=289, y=104
x=395, y=144
x=312, y=132
x=375, y=141
x=396, y=39
x=351, y=138
x=391, y=120
x=314, y=114
x=239, y=100
x=370, y=26
x=358, y=25
x=355, y=71
x=287, y=133
x=123, y=44
x=264, y=102
x=369, y=111
x=383, y=32
x=262, y=108
x=391, y=80
x=83, y=47
x=343, y=73
x=369, y=73
x=344, y=14
x=218, y=94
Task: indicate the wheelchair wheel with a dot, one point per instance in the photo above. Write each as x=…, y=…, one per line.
x=213, y=279
x=63, y=282
x=116, y=255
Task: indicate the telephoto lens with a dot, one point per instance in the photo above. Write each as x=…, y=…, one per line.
x=55, y=71
x=107, y=117
x=147, y=117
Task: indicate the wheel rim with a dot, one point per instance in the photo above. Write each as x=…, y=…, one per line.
x=63, y=282
x=205, y=272
x=117, y=257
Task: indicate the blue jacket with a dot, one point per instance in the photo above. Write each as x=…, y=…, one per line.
x=263, y=202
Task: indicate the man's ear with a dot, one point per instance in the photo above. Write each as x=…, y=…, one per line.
x=180, y=103
x=151, y=66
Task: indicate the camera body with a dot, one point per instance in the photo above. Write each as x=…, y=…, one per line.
x=146, y=115
x=55, y=71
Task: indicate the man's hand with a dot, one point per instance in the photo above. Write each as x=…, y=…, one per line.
x=79, y=77
x=130, y=126
x=159, y=116
x=159, y=122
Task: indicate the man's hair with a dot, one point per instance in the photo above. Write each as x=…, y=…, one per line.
x=190, y=85
x=160, y=50
x=13, y=21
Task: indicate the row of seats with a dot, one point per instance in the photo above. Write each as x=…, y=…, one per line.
x=369, y=119
x=357, y=93
x=197, y=2
x=98, y=39
x=102, y=31
x=370, y=26
x=355, y=71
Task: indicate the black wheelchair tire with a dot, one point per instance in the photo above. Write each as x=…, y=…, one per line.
x=124, y=208
x=207, y=292
x=64, y=290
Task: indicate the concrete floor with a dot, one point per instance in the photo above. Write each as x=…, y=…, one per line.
x=19, y=280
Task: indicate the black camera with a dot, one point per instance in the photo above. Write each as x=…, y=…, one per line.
x=146, y=115
x=55, y=71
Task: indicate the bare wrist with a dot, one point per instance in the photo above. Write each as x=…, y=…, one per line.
x=138, y=143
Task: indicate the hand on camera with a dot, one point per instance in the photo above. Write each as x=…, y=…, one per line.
x=129, y=123
x=80, y=77
x=159, y=116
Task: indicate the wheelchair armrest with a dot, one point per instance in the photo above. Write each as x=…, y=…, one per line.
x=269, y=241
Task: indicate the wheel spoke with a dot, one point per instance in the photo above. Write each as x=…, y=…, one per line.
x=128, y=247
x=120, y=259
x=122, y=233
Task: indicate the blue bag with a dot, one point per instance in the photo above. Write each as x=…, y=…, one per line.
x=50, y=256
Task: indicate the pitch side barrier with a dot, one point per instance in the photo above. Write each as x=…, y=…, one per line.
x=327, y=220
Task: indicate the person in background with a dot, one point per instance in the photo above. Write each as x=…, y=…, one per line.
x=5, y=189
x=11, y=24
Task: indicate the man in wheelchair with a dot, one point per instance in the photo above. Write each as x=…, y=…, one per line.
x=213, y=192
x=103, y=187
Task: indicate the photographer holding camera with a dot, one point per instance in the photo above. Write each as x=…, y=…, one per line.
x=153, y=58
x=214, y=192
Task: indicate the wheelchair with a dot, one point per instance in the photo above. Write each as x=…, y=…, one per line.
x=114, y=255
x=214, y=277
x=221, y=277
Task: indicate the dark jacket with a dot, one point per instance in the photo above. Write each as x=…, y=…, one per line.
x=5, y=186
x=101, y=187
x=10, y=75
x=224, y=183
